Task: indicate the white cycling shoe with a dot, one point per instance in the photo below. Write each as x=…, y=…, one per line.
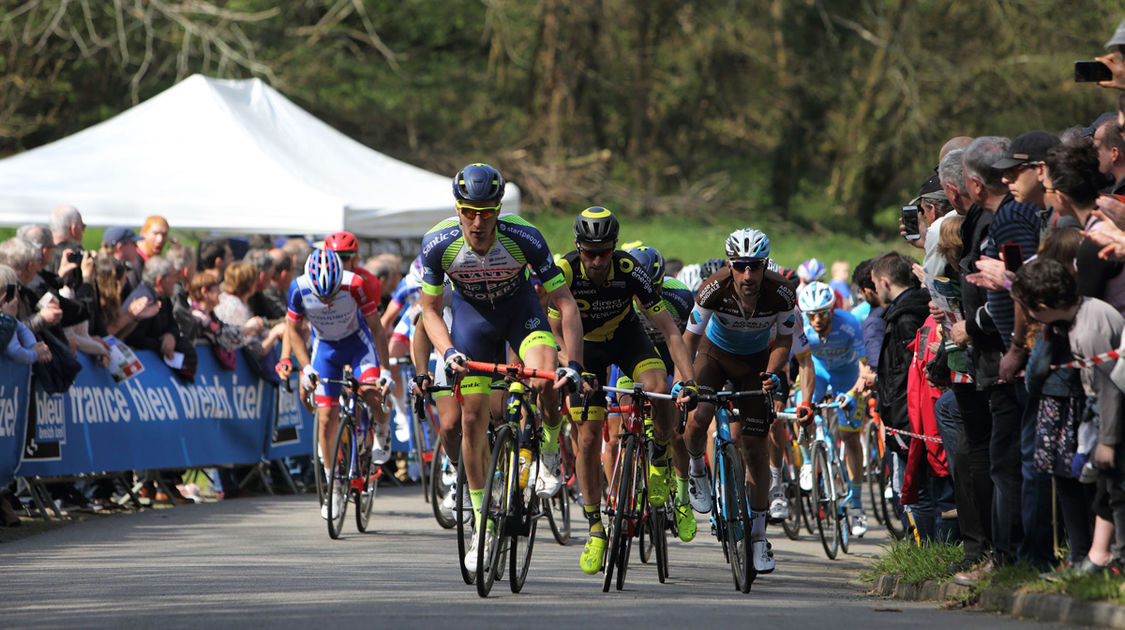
x=859, y=523
x=550, y=475
x=336, y=505
x=806, y=477
x=381, y=446
x=779, y=505
x=471, y=556
x=699, y=491
x=762, y=552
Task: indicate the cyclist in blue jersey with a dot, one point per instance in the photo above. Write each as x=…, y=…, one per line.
x=837, y=347
x=486, y=258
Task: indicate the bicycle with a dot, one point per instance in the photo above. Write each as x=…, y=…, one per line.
x=791, y=461
x=626, y=505
x=510, y=507
x=353, y=471
x=879, y=471
x=730, y=507
x=831, y=491
x=423, y=429
x=441, y=474
x=558, y=516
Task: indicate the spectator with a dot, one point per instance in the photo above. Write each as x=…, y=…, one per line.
x=67, y=227
x=238, y=283
x=121, y=243
x=17, y=340
x=934, y=206
x=1049, y=293
x=839, y=282
x=215, y=254
x=259, y=302
x=871, y=323
x=158, y=333
x=277, y=292
x=1073, y=181
x=299, y=250
x=203, y=292
x=26, y=259
x=906, y=307
x=154, y=235
x=109, y=278
x=1022, y=167
x=1111, y=153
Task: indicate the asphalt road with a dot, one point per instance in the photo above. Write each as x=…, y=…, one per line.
x=268, y=562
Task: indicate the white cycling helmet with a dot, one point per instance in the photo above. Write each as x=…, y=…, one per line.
x=816, y=296
x=747, y=243
x=811, y=270
x=691, y=277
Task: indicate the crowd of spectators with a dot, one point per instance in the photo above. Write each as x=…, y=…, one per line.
x=149, y=292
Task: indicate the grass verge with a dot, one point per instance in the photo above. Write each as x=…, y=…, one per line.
x=915, y=565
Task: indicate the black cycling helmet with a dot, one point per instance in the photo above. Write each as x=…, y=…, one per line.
x=596, y=225
x=478, y=183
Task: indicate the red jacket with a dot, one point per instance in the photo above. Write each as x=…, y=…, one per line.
x=921, y=398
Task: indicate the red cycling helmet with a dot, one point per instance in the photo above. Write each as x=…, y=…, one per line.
x=342, y=243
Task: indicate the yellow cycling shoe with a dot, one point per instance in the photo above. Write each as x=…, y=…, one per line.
x=658, y=485
x=591, y=558
x=685, y=522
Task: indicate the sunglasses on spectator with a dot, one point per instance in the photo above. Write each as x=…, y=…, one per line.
x=595, y=253
x=472, y=212
x=742, y=266
x=1013, y=172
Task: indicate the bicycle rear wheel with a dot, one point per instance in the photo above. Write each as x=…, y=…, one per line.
x=526, y=510
x=369, y=483
x=420, y=448
x=558, y=507
x=843, y=508
x=466, y=524
x=658, y=529
x=737, y=517
x=617, y=503
x=824, y=501
x=502, y=472
x=440, y=470
x=875, y=481
x=645, y=538
x=318, y=461
x=635, y=517
x=340, y=479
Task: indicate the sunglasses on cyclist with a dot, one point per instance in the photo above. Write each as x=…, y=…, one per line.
x=472, y=212
x=595, y=253
x=742, y=266
x=818, y=314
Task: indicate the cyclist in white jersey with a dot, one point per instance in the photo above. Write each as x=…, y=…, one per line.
x=345, y=331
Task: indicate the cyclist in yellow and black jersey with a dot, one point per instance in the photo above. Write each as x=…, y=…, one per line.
x=604, y=281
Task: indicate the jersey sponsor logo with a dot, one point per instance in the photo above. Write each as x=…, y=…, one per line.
x=695, y=317
x=477, y=275
x=532, y=323
x=790, y=321
x=439, y=239
x=527, y=235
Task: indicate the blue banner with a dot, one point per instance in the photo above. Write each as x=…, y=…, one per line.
x=14, y=388
x=151, y=420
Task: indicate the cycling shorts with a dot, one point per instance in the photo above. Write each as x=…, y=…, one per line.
x=482, y=333
x=629, y=352
x=329, y=358
x=714, y=367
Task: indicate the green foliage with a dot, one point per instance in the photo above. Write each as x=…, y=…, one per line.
x=914, y=564
x=661, y=109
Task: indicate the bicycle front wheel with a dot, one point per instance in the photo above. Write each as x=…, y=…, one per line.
x=792, y=488
x=368, y=484
x=558, y=508
x=440, y=471
x=658, y=531
x=737, y=517
x=340, y=475
x=494, y=509
x=466, y=524
x=824, y=501
x=617, y=504
x=876, y=482
x=526, y=508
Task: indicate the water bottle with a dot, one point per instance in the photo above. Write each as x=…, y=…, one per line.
x=525, y=466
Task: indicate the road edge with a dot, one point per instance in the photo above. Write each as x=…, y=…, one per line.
x=1038, y=606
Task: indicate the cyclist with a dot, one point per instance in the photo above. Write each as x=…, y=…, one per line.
x=812, y=270
x=838, y=351
x=605, y=280
x=486, y=257
x=346, y=332
x=737, y=312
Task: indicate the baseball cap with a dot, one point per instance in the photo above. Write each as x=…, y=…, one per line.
x=931, y=190
x=1027, y=147
x=1118, y=38
x=1089, y=131
x=118, y=234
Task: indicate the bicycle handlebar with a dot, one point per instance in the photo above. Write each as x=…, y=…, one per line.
x=729, y=395
x=638, y=391
x=509, y=370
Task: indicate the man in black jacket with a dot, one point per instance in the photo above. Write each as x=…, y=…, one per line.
x=906, y=308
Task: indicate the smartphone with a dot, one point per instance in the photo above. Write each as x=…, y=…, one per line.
x=1013, y=256
x=1091, y=72
x=910, y=222
x=9, y=293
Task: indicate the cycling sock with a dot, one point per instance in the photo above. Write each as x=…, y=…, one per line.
x=477, y=497
x=857, y=494
x=681, y=490
x=550, y=442
x=757, y=525
x=775, y=477
x=594, y=516
x=696, y=466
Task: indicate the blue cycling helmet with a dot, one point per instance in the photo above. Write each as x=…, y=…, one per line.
x=478, y=183
x=325, y=271
x=650, y=260
x=747, y=243
x=816, y=296
x=811, y=270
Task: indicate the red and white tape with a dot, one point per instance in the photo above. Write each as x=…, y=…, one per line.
x=961, y=377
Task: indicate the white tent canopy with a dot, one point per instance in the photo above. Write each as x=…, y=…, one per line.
x=231, y=156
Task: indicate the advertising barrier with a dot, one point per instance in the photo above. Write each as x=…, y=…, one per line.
x=14, y=388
